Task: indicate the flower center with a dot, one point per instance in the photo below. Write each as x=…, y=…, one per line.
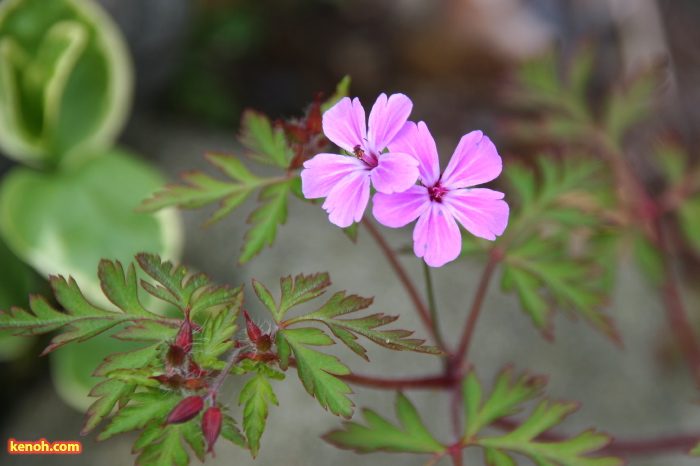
x=437, y=192
x=366, y=158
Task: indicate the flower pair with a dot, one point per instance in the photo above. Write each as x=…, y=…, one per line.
x=407, y=178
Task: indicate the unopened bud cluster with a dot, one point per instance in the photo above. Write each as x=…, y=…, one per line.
x=260, y=343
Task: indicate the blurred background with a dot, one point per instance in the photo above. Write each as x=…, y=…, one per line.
x=200, y=63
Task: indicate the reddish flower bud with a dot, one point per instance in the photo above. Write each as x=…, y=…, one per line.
x=254, y=332
x=263, y=343
x=313, y=121
x=184, y=336
x=185, y=410
x=195, y=384
x=194, y=371
x=175, y=357
x=211, y=427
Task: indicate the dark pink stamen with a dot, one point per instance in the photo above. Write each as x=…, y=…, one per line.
x=437, y=192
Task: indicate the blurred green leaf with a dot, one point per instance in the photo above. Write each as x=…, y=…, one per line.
x=341, y=90
x=65, y=222
x=65, y=80
x=632, y=103
x=556, y=255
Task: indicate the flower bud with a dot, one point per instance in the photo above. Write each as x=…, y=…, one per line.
x=254, y=332
x=184, y=336
x=211, y=427
x=194, y=371
x=185, y=410
x=175, y=357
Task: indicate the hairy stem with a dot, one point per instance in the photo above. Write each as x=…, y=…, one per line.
x=423, y=312
x=222, y=375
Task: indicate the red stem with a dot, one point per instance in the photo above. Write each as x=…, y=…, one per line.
x=438, y=381
x=460, y=356
x=403, y=277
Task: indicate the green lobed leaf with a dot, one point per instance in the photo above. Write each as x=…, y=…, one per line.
x=230, y=432
x=265, y=218
x=168, y=450
x=559, y=257
x=201, y=189
x=317, y=371
x=566, y=452
x=503, y=401
x=540, y=268
x=217, y=335
x=192, y=294
x=192, y=434
x=380, y=435
x=256, y=394
x=347, y=329
x=81, y=318
x=266, y=144
x=695, y=451
x=266, y=298
x=109, y=393
x=302, y=289
x=633, y=103
x=144, y=408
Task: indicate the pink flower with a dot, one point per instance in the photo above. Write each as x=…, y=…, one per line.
x=344, y=180
x=440, y=198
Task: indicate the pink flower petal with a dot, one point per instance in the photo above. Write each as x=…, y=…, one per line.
x=481, y=211
x=475, y=161
x=345, y=124
x=399, y=209
x=436, y=237
x=348, y=199
x=322, y=173
x=394, y=173
x=417, y=141
x=386, y=119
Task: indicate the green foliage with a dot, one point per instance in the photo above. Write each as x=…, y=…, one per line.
x=380, y=435
x=557, y=255
x=65, y=222
x=266, y=144
x=318, y=371
x=256, y=394
x=341, y=90
x=265, y=219
x=201, y=189
x=65, y=80
x=504, y=401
